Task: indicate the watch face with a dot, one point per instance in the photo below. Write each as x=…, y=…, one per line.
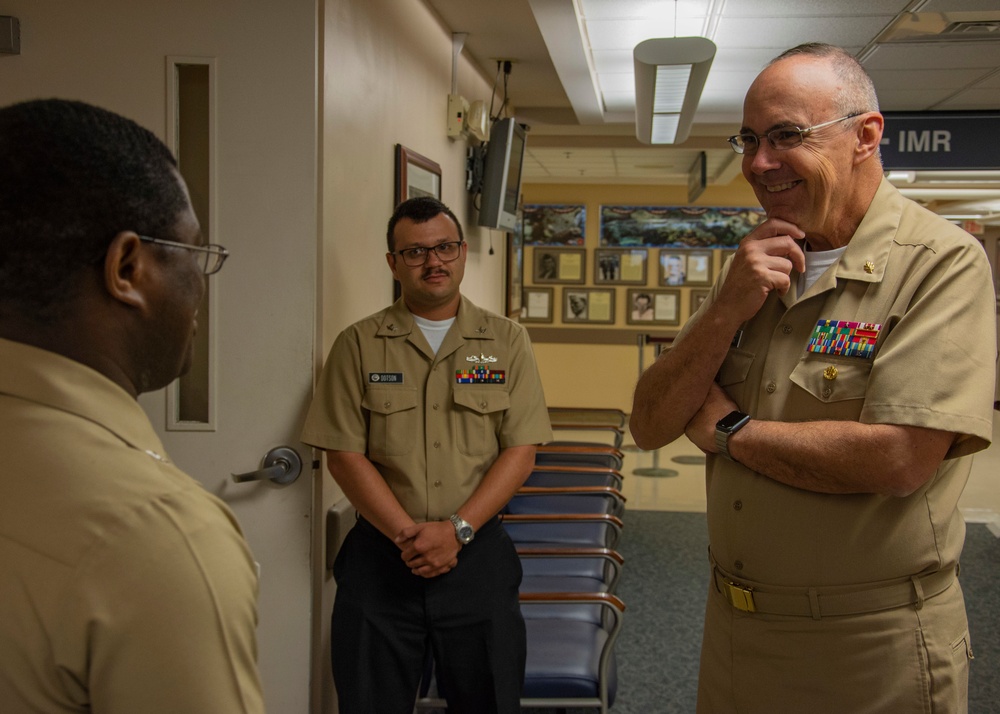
x=465, y=534
x=732, y=421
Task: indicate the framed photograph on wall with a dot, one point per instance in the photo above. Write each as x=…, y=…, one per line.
x=554, y=224
x=653, y=307
x=416, y=175
x=699, y=267
x=620, y=266
x=697, y=298
x=673, y=267
x=591, y=305
x=515, y=273
x=562, y=265
x=537, y=305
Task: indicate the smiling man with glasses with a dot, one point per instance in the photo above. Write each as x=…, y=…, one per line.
x=839, y=376
x=429, y=412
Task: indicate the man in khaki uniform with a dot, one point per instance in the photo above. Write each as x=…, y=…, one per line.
x=839, y=376
x=125, y=586
x=429, y=412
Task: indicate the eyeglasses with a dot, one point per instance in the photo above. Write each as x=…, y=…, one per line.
x=209, y=257
x=446, y=252
x=781, y=139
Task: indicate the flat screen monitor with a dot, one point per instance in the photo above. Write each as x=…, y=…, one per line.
x=502, y=176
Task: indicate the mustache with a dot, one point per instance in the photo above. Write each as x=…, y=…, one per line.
x=436, y=271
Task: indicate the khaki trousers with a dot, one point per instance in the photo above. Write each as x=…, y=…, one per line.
x=901, y=661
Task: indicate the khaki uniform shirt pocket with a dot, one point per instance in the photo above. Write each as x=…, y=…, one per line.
x=733, y=375
x=831, y=379
x=478, y=414
x=393, y=420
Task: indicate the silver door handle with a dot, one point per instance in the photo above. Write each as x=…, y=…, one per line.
x=282, y=465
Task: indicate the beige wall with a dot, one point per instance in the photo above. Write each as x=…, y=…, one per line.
x=388, y=76
x=585, y=374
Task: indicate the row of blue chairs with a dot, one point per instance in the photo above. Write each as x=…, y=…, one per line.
x=566, y=522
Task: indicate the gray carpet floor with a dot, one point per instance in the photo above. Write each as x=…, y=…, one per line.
x=664, y=588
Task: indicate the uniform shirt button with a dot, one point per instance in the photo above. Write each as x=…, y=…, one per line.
x=827, y=392
x=737, y=505
x=738, y=565
x=787, y=329
x=437, y=484
x=437, y=444
x=483, y=405
x=771, y=386
x=434, y=407
x=386, y=404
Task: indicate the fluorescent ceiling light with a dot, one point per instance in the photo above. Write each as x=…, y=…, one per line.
x=670, y=74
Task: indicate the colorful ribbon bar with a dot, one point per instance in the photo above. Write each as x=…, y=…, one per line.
x=480, y=375
x=845, y=339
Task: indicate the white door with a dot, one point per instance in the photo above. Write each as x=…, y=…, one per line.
x=260, y=324
x=263, y=198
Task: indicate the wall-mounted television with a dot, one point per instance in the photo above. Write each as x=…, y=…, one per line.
x=502, y=175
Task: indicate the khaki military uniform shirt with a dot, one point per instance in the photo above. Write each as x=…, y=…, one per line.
x=431, y=424
x=927, y=285
x=125, y=586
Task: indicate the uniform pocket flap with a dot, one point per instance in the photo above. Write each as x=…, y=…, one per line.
x=833, y=380
x=735, y=367
x=483, y=401
x=389, y=400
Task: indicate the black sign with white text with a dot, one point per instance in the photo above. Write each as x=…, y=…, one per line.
x=966, y=141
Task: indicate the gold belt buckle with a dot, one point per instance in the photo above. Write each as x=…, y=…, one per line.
x=740, y=596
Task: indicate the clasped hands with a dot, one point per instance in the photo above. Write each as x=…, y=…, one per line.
x=763, y=263
x=429, y=549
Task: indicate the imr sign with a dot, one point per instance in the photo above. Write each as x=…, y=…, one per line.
x=941, y=141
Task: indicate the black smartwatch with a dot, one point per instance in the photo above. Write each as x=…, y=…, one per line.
x=726, y=427
x=463, y=529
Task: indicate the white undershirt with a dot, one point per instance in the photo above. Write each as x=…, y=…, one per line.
x=434, y=330
x=817, y=262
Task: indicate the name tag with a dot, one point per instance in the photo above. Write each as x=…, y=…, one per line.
x=385, y=377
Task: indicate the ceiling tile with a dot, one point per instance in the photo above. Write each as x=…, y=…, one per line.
x=797, y=8
x=934, y=56
x=784, y=32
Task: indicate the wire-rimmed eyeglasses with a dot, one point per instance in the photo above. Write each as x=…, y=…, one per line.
x=446, y=252
x=209, y=257
x=781, y=139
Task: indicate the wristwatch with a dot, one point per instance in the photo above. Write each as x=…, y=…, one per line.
x=726, y=427
x=463, y=529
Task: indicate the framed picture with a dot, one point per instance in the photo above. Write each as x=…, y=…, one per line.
x=592, y=305
x=559, y=265
x=677, y=227
x=685, y=267
x=416, y=175
x=515, y=273
x=537, y=305
x=697, y=298
x=699, y=267
x=653, y=307
x=673, y=267
x=620, y=266
x=554, y=225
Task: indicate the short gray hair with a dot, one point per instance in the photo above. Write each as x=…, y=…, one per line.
x=859, y=93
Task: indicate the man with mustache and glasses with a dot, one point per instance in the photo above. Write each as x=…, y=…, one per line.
x=839, y=376
x=429, y=412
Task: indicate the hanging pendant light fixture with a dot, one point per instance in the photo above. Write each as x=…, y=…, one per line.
x=670, y=74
